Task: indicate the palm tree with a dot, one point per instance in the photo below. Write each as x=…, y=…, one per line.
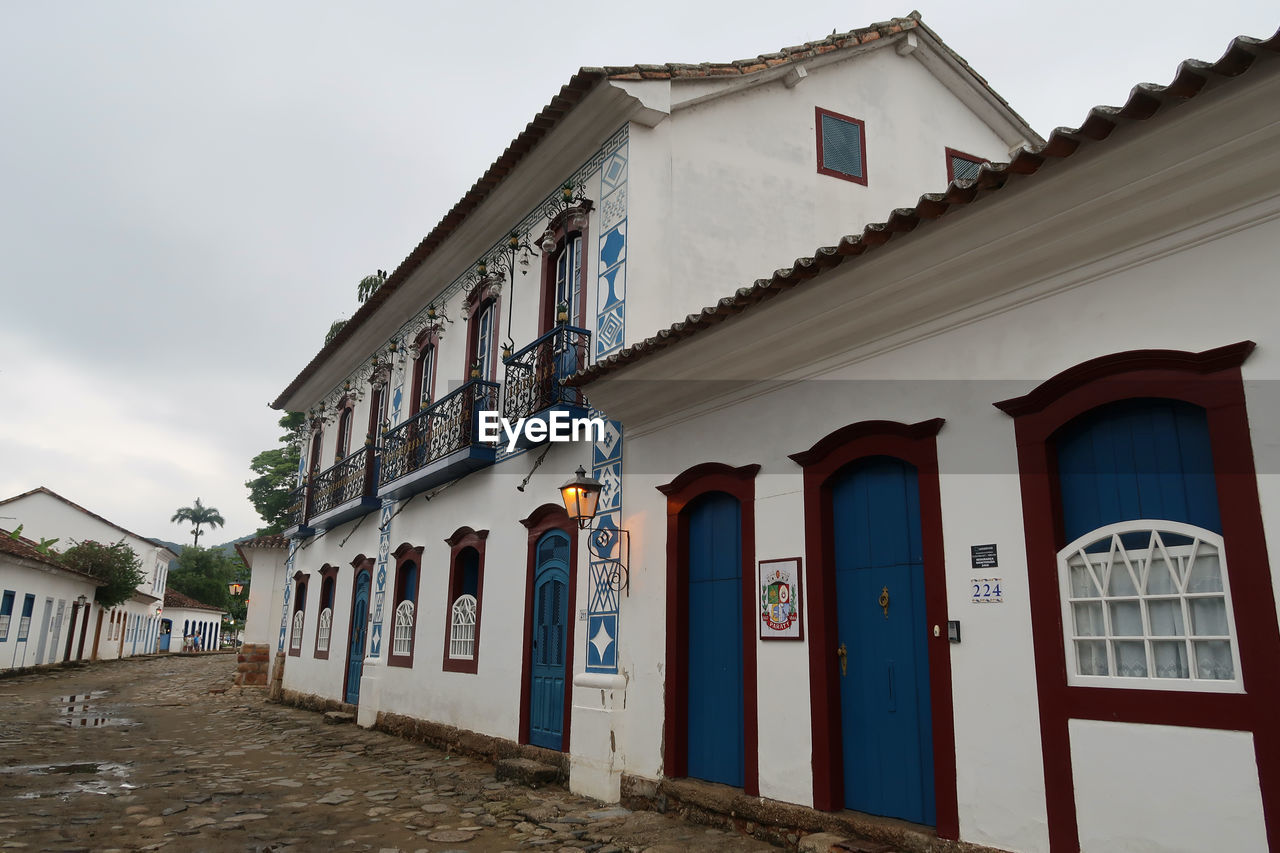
x=198, y=515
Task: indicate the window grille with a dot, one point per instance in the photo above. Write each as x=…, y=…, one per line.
x=323, y=627
x=402, y=640
x=841, y=141
x=1147, y=604
x=462, y=628
x=295, y=640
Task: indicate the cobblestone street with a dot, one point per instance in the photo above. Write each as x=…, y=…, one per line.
x=140, y=755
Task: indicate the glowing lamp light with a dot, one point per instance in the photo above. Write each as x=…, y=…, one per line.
x=580, y=496
x=235, y=587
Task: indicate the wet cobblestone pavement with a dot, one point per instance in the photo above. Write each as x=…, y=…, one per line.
x=139, y=755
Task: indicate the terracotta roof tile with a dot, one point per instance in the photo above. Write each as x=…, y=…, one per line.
x=1145, y=102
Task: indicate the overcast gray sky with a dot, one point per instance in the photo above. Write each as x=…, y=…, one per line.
x=189, y=192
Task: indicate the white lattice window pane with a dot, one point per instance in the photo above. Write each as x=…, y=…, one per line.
x=1092, y=657
x=1131, y=658
x=1213, y=660
x=1088, y=615
x=24, y=626
x=296, y=637
x=462, y=628
x=1209, y=617
x=1171, y=659
x=1147, y=600
x=1166, y=617
x=1206, y=570
x=402, y=639
x=4, y=626
x=323, y=626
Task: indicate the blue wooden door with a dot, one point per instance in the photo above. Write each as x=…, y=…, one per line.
x=166, y=632
x=550, y=627
x=884, y=689
x=715, y=640
x=355, y=645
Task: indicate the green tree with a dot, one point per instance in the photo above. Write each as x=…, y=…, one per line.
x=199, y=515
x=206, y=573
x=369, y=285
x=277, y=470
x=116, y=564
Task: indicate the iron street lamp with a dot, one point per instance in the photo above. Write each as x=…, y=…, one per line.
x=580, y=496
x=609, y=545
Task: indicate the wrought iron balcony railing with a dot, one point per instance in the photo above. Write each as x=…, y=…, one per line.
x=346, y=481
x=296, y=512
x=443, y=428
x=536, y=374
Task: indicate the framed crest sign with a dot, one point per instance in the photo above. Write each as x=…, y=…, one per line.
x=780, y=615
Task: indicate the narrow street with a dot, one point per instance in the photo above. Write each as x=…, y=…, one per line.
x=141, y=755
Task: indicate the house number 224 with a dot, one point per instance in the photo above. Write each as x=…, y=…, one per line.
x=986, y=591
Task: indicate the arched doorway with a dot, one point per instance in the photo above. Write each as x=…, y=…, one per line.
x=549, y=641
x=357, y=634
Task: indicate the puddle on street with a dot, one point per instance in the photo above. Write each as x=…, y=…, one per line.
x=104, y=777
x=79, y=711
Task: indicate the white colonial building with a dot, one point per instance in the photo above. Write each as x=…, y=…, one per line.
x=39, y=601
x=127, y=629
x=828, y=572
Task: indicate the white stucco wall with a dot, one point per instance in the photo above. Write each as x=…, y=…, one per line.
x=50, y=587
x=266, y=594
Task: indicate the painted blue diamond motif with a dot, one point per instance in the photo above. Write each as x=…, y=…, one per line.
x=602, y=646
x=612, y=246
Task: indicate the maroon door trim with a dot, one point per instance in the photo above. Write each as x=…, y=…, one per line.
x=917, y=445
x=544, y=518
x=692, y=483
x=1212, y=381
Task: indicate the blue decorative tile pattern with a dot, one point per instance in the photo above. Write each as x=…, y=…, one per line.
x=288, y=591
x=602, y=597
x=611, y=282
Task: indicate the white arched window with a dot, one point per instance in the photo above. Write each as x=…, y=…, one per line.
x=295, y=640
x=1147, y=604
x=323, y=626
x=462, y=628
x=402, y=640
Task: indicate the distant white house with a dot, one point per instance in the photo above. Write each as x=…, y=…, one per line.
x=265, y=556
x=40, y=600
x=189, y=625
x=129, y=628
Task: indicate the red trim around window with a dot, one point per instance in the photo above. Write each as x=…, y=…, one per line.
x=955, y=152
x=329, y=575
x=691, y=484
x=915, y=444
x=299, y=604
x=462, y=539
x=428, y=340
x=544, y=518
x=346, y=422
x=559, y=228
x=819, y=112
x=1212, y=381
x=406, y=553
x=480, y=299
x=359, y=564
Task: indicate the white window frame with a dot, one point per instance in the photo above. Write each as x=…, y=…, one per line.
x=295, y=637
x=568, y=274
x=323, y=627
x=402, y=635
x=462, y=628
x=1178, y=554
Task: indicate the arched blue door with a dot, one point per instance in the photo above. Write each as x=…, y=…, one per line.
x=885, y=715
x=355, y=643
x=550, y=626
x=715, y=640
x=166, y=631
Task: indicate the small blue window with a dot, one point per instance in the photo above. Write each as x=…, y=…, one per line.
x=24, y=626
x=841, y=146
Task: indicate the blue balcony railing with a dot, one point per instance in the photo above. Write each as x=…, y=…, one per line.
x=345, y=490
x=536, y=374
x=439, y=443
x=296, y=512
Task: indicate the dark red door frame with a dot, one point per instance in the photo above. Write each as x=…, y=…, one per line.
x=544, y=518
x=693, y=483
x=917, y=445
x=1212, y=381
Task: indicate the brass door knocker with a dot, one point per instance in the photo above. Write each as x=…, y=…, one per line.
x=843, y=654
x=884, y=601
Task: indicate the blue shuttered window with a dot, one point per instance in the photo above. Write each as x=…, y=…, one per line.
x=841, y=146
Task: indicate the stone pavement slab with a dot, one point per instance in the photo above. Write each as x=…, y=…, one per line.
x=139, y=754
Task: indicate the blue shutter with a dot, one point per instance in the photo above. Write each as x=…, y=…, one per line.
x=1137, y=459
